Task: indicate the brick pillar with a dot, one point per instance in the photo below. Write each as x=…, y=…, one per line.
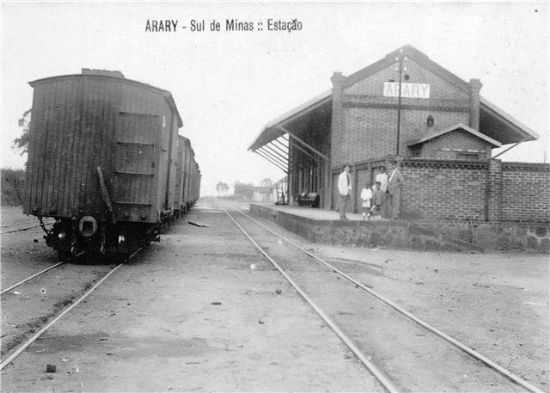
x=494, y=191
x=291, y=173
x=336, y=128
x=354, y=185
x=327, y=181
x=475, y=87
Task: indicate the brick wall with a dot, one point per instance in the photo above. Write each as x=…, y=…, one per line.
x=370, y=133
x=444, y=189
x=488, y=190
x=433, y=189
x=494, y=191
x=525, y=192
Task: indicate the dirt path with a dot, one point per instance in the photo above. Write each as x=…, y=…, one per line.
x=414, y=358
x=201, y=311
x=499, y=304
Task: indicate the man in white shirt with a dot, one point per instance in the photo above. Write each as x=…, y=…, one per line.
x=382, y=178
x=344, y=190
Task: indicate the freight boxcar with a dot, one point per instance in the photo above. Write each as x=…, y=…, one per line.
x=102, y=160
x=191, y=176
x=179, y=204
x=194, y=188
x=187, y=177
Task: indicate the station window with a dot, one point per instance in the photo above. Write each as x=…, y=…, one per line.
x=468, y=156
x=406, y=77
x=415, y=151
x=430, y=121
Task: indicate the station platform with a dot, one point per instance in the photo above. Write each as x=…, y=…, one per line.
x=310, y=213
x=325, y=226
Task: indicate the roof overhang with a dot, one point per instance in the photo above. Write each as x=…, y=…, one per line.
x=495, y=124
x=499, y=125
x=274, y=129
x=453, y=128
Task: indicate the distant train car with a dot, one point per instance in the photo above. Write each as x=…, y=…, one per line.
x=103, y=160
x=180, y=161
x=191, y=176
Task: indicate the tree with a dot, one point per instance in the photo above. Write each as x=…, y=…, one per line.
x=22, y=142
x=222, y=188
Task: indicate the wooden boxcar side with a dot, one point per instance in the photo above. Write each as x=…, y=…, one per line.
x=82, y=122
x=186, y=161
x=162, y=195
x=180, y=161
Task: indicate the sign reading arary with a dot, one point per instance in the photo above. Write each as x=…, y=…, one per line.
x=408, y=90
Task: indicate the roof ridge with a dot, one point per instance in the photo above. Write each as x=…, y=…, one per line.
x=454, y=127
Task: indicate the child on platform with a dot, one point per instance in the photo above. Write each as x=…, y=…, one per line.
x=366, y=197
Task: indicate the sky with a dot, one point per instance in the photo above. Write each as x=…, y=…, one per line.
x=228, y=85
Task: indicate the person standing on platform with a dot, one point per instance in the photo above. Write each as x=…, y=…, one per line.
x=377, y=201
x=395, y=184
x=382, y=178
x=344, y=190
x=366, y=197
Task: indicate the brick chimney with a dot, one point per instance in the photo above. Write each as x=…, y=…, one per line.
x=475, y=87
x=337, y=80
x=337, y=125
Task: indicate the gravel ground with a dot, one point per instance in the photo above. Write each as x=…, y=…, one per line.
x=405, y=351
x=201, y=311
x=13, y=217
x=23, y=252
x=498, y=304
x=31, y=305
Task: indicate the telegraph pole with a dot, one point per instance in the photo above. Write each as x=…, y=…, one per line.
x=399, y=59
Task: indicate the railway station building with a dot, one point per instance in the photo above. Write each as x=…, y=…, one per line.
x=407, y=107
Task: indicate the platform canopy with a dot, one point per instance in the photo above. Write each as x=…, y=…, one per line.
x=501, y=126
x=273, y=141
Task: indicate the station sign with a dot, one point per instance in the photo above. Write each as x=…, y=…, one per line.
x=408, y=90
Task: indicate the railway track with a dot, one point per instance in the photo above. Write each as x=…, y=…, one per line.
x=29, y=278
x=15, y=352
x=19, y=229
x=385, y=380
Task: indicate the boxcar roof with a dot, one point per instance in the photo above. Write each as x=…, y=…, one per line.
x=165, y=93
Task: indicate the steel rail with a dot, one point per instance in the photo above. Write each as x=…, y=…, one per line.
x=20, y=349
x=21, y=229
x=371, y=367
x=42, y=330
x=30, y=277
x=470, y=351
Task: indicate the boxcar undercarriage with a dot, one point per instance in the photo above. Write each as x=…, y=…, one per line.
x=73, y=237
